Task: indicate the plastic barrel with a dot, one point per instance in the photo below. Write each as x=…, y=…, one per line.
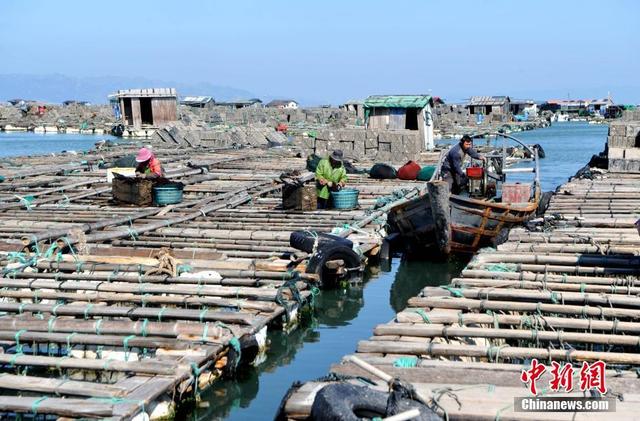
x=345, y=199
x=167, y=194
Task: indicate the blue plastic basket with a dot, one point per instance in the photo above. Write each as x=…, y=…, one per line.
x=167, y=194
x=345, y=199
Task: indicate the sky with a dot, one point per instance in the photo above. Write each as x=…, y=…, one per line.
x=330, y=51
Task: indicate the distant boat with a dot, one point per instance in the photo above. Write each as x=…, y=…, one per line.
x=465, y=222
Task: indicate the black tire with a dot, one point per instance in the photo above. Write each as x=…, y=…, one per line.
x=304, y=240
x=543, y=205
x=332, y=251
x=347, y=402
x=501, y=238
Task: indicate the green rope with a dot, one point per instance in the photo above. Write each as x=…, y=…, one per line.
x=501, y=267
x=36, y=403
x=406, y=362
x=501, y=410
x=51, y=323
x=87, y=310
x=160, y=313
x=69, y=337
x=183, y=269
x=55, y=309
x=133, y=234
x=235, y=343
x=196, y=374
x=98, y=326
x=143, y=328
x=203, y=313
x=205, y=332
x=12, y=361
x=456, y=292
x=19, y=346
x=423, y=314
x=125, y=345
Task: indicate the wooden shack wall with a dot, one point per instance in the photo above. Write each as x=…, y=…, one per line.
x=135, y=112
x=387, y=118
x=165, y=110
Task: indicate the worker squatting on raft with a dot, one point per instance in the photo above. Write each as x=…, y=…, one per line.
x=330, y=176
x=148, y=165
x=452, y=171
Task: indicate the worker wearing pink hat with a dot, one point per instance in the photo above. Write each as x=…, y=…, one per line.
x=148, y=165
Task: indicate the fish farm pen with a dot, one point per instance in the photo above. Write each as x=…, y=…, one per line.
x=113, y=311
x=564, y=289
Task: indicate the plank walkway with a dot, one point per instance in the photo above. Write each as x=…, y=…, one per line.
x=112, y=329
x=567, y=291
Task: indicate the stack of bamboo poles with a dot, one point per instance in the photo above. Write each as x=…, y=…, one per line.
x=567, y=291
x=126, y=306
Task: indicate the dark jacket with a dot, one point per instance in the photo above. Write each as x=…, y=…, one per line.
x=452, y=163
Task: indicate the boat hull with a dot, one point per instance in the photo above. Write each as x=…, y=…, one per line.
x=474, y=223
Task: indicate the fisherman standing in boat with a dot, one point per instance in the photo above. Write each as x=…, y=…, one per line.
x=452, y=171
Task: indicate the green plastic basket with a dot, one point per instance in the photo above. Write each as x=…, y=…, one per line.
x=167, y=194
x=345, y=199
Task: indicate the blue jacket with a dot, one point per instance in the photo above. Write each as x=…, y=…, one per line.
x=453, y=161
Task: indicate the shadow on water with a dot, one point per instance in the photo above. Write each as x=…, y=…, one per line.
x=413, y=275
x=341, y=318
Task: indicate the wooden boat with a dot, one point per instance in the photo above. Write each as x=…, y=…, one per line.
x=465, y=222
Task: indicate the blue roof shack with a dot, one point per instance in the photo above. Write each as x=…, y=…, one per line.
x=401, y=112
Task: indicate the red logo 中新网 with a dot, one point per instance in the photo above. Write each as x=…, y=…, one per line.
x=592, y=376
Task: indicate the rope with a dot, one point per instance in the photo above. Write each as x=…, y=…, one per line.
x=87, y=310
x=125, y=345
x=423, y=314
x=203, y=313
x=160, y=313
x=69, y=337
x=143, y=328
x=456, y=292
x=406, y=362
x=98, y=324
x=19, y=346
x=36, y=404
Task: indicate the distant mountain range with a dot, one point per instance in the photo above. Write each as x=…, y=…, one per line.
x=57, y=88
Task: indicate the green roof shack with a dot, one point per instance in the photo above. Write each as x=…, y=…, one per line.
x=401, y=112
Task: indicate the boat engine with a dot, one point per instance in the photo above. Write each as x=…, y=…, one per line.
x=477, y=181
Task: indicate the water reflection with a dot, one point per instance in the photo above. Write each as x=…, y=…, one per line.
x=413, y=275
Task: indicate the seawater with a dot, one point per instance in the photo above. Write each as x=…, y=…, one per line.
x=345, y=316
x=29, y=143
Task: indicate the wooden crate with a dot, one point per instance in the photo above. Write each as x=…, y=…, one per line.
x=299, y=198
x=135, y=191
x=516, y=193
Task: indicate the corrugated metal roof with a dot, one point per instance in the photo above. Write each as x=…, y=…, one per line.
x=397, y=101
x=278, y=102
x=197, y=99
x=488, y=100
x=148, y=92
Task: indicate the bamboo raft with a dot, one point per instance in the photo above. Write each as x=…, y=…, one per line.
x=110, y=311
x=565, y=291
